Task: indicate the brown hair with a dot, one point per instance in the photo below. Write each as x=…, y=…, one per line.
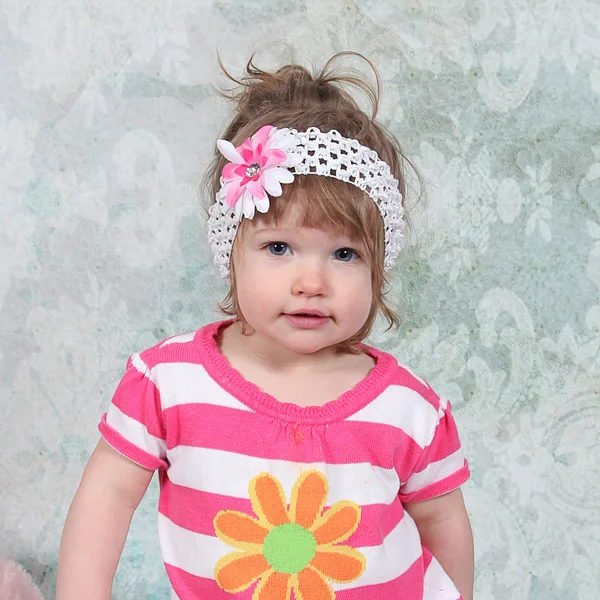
x=293, y=97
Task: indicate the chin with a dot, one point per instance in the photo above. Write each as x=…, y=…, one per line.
x=308, y=346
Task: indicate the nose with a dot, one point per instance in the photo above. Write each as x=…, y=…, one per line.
x=310, y=280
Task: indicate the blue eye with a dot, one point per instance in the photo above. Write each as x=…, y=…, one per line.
x=278, y=248
x=345, y=254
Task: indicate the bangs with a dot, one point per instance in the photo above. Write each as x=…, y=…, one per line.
x=325, y=203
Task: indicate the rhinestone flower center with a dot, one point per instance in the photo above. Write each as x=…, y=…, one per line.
x=252, y=170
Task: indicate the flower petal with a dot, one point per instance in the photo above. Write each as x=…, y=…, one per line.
x=338, y=523
x=222, y=194
x=228, y=150
x=341, y=564
x=229, y=171
x=308, y=498
x=268, y=499
x=271, y=183
x=261, y=136
x=276, y=586
x=237, y=571
x=237, y=211
x=247, y=205
x=240, y=171
x=239, y=530
x=293, y=159
x=282, y=174
x=234, y=191
x=272, y=158
x=256, y=189
x=281, y=138
x=248, y=154
x=311, y=585
x=262, y=206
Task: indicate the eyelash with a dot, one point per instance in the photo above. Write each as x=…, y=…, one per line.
x=270, y=246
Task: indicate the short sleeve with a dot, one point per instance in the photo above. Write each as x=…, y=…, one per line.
x=133, y=424
x=440, y=466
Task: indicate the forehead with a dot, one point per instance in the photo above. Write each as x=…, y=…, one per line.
x=292, y=222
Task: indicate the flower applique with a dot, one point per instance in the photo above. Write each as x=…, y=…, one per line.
x=257, y=167
x=291, y=548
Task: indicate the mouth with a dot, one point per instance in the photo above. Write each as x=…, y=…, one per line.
x=308, y=313
x=307, y=319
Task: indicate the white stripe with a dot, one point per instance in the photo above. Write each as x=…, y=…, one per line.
x=435, y=472
x=142, y=367
x=135, y=432
x=228, y=473
x=198, y=554
x=404, y=408
x=184, y=338
x=193, y=552
x=386, y=562
x=188, y=383
x=437, y=583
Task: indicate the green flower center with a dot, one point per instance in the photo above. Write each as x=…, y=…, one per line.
x=289, y=548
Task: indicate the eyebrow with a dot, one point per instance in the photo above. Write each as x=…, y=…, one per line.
x=287, y=231
x=263, y=229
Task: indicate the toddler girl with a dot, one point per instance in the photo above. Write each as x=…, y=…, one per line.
x=294, y=460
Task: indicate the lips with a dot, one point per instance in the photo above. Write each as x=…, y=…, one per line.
x=307, y=313
x=307, y=319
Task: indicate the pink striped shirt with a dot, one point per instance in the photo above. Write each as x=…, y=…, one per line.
x=271, y=501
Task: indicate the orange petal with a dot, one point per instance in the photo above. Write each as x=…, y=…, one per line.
x=275, y=586
x=237, y=571
x=268, y=499
x=308, y=498
x=338, y=523
x=239, y=530
x=339, y=563
x=312, y=586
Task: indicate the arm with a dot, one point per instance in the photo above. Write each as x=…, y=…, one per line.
x=445, y=531
x=97, y=524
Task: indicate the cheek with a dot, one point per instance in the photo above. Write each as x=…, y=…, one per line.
x=359, y=296
x=253, y=290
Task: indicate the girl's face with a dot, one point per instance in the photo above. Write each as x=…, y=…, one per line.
x=302, y=289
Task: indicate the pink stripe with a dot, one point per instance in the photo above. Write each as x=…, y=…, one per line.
x=195, y=511
x=262, y=436
x=405, y=378
x=445, y=442
x=138, y=398
x=409, y=586
x=126, y=448
x=427, y=558
x=186, y=352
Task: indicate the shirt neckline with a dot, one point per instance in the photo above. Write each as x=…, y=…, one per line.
x=249, y=394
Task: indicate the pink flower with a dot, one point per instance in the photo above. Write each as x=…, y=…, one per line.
x=257, y=166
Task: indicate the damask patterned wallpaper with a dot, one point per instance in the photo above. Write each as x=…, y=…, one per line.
x=107, y=119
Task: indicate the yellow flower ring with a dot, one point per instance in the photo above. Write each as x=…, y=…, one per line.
x=289, y=549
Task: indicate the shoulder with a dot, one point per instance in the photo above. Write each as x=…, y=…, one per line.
x=180, y=349
x=404, y=382
x=406, y=401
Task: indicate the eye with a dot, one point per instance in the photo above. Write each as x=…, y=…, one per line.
x=278, y=248
x=345, y=254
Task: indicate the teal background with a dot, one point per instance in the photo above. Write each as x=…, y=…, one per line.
x=108, y=118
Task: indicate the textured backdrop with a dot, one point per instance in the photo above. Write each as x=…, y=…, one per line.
x=107, y=118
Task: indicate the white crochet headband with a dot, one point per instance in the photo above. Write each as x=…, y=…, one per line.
x=272, y=156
